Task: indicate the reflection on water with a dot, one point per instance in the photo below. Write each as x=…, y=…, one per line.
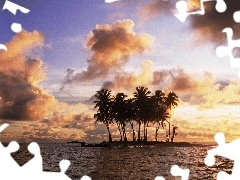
x=103, y=163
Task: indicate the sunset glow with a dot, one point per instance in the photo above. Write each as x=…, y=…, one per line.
x=68, y=51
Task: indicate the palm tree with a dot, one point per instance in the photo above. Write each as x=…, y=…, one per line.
x=120, y=114
x=141, y=101
x=159, y=97
x=159, y=110
x=171, y=101
x=160, y=119
x=104, y=112
x=130, y=115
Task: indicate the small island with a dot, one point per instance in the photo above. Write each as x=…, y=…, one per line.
x=143, y=109
x=131, y=144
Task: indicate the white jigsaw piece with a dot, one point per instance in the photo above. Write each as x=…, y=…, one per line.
x=181, y=6
x=12, y=7
x=222, y=51
x=8, y=164
x=228, y=150
x=34, y=165
x=33, y=169
x=177, y=171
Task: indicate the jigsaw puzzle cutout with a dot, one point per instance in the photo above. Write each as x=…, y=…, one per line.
x=228, y=150
x=222, y=51
x=181, y=6
x=12, y=7
x=33, y=169
x=177, y=171
x=221, y=7
x=16, y=27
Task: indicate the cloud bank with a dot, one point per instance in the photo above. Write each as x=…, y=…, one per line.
x=21, y=97
x=21, y=71
x=33, y=113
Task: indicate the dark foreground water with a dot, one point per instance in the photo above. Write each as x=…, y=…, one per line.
x=103, y=163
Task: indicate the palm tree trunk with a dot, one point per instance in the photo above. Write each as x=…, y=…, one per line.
x=124, y=134
x=139, y=126
x=169, y=130
x=118, y=125
x=144, y=131
x=156, y=134
x=109, y=134
x=174, y=133
x=172, y=137
x=134, y=138
x=169, y=125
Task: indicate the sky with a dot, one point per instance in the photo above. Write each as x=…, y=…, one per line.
x=69, y=50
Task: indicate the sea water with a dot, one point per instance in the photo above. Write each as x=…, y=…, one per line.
x=122, y=163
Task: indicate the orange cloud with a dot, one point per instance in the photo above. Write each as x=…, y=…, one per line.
x=191, y=83
x=154, y=8
x=21, y=71
x=230, y=94
x=127, y=81
x=111, y=47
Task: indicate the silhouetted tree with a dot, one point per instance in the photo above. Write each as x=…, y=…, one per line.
x=159, y=110
x=120, y=114
x=171, y=101
x=143, y=109
x=130, y=115
x=141, y=104
x=104, y=112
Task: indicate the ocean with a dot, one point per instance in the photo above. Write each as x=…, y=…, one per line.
x=126, y=163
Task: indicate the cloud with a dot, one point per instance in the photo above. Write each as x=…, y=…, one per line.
x=68, y=123
x=204, y=90
x=21, y=71
x=22, y=101
x=147, y=10
x=202, y=125
x=210, y=25
x=21, y=48
x=207, y=28
x=186, y=85
x=77, y=116
x=68, y=78
x=40, y=132
x=162, y=76
x=127, y=81
x=21, y=98
x=195, y=89
x=230, y=94
x=184, y=82
x=111, y=47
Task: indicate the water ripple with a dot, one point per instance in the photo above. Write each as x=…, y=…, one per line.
x=103, y=163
